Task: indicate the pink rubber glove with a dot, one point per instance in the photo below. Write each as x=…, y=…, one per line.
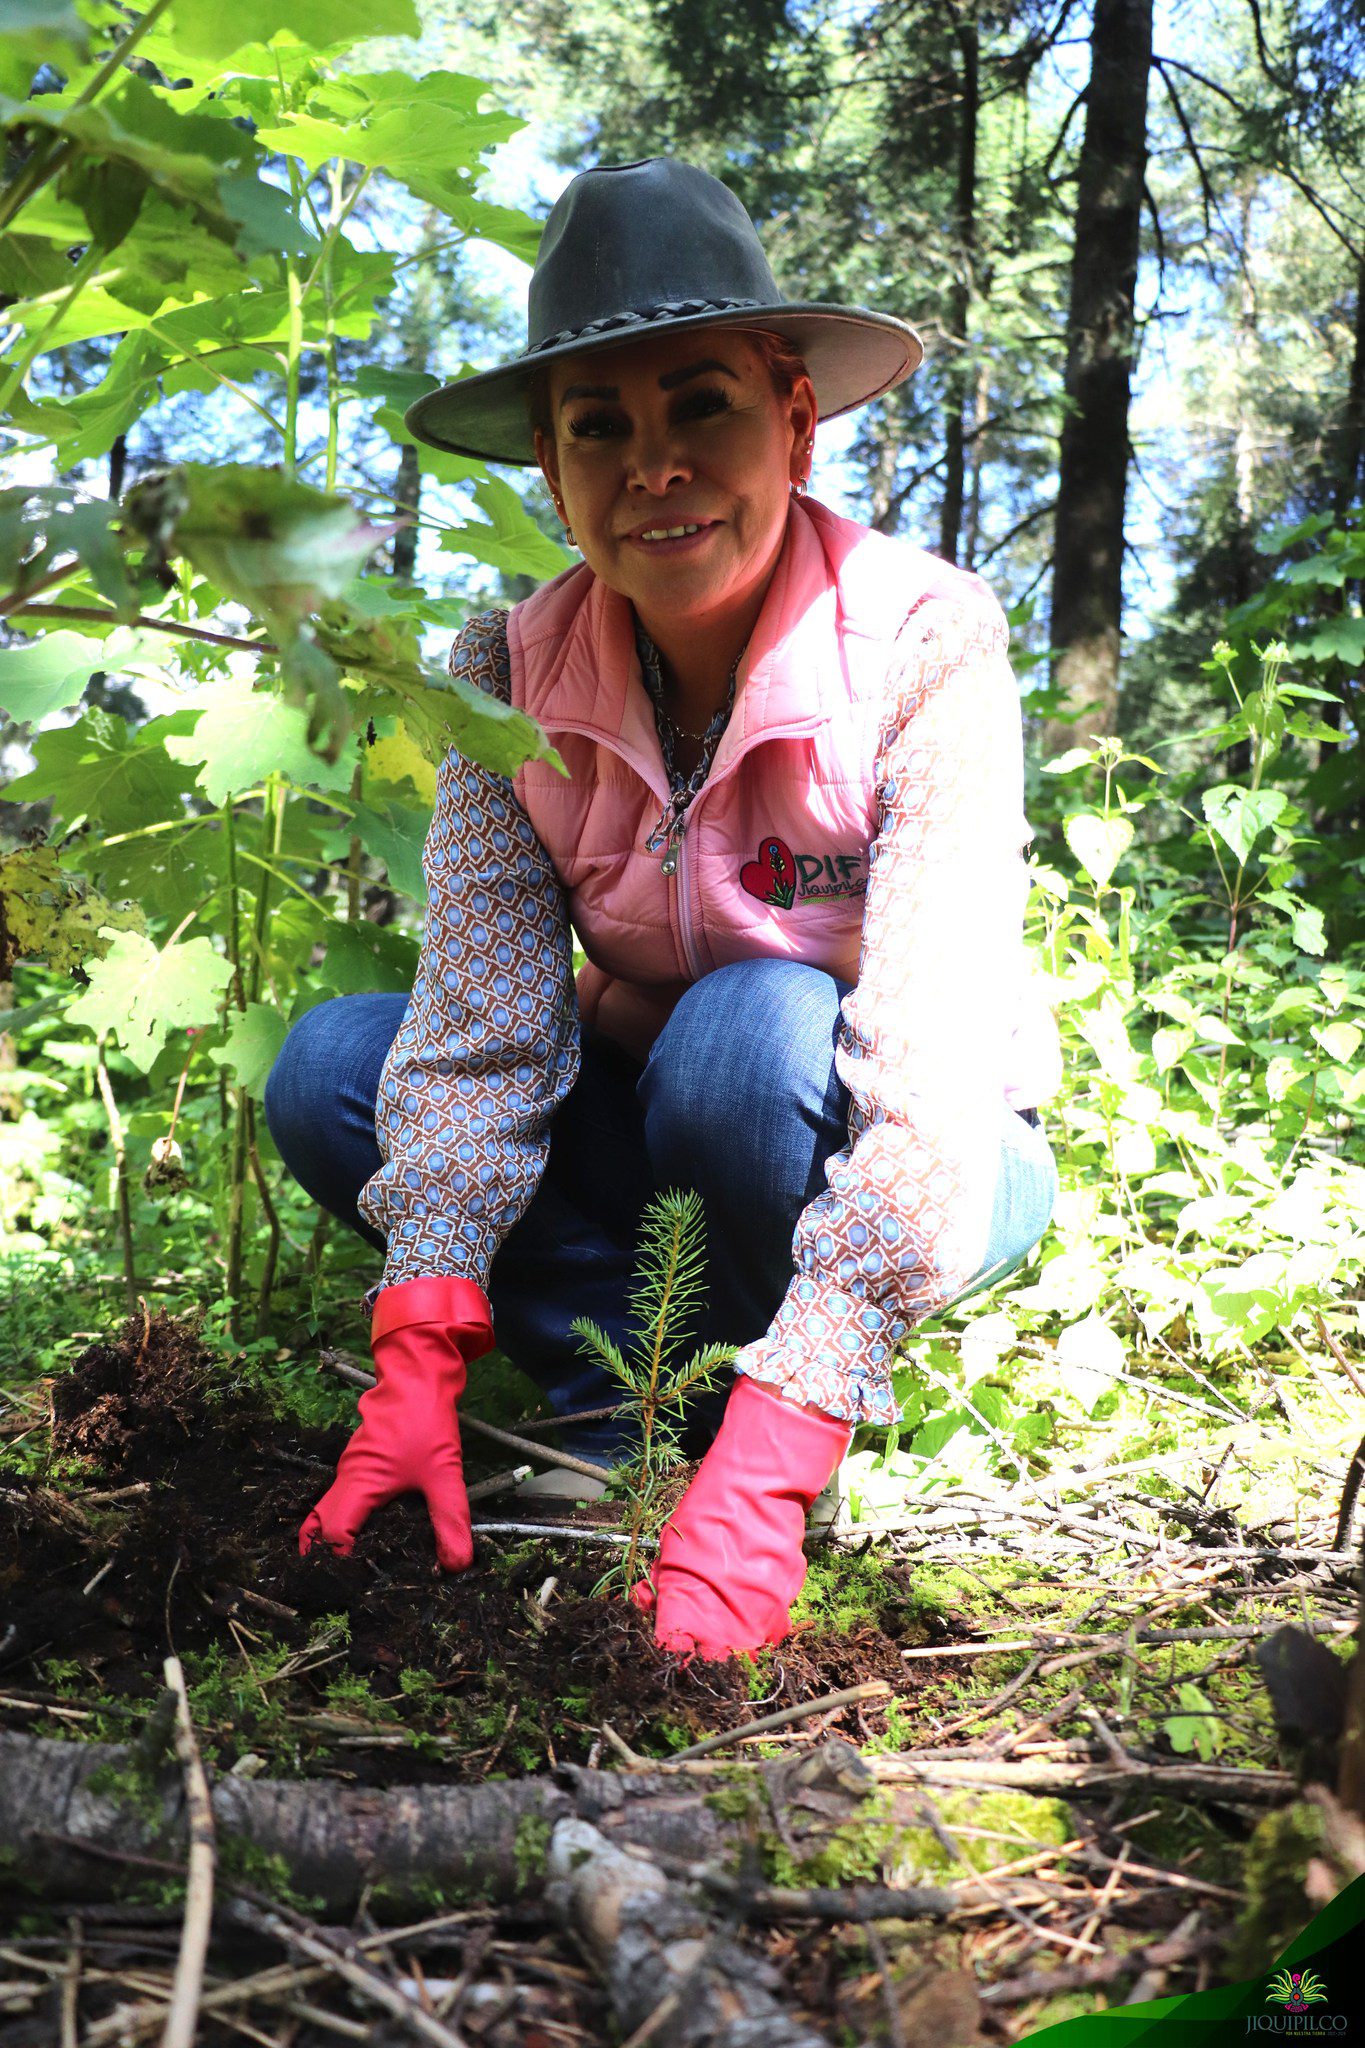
x=730, y=1560
x=423, y=1335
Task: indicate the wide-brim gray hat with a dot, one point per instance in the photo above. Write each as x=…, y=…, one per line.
x=630, y=250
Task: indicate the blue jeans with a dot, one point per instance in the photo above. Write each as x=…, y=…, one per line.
x=739, y=1100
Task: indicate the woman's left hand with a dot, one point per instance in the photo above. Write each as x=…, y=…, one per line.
x=730, y=1559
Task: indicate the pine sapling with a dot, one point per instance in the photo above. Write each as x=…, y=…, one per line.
x=664, y=1300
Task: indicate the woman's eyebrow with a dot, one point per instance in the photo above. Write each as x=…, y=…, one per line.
x=671, y=381
x=668, y=382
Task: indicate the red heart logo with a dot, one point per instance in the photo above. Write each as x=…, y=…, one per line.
x=772, y=877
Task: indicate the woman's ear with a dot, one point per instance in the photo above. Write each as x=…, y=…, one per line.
x=805, y=412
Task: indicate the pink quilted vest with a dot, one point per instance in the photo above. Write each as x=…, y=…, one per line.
x=772, y=862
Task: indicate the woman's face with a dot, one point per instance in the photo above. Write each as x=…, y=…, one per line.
x=680, y=432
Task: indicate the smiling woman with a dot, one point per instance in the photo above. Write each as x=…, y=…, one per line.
x=790, y=842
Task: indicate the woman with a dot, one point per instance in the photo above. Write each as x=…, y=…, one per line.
x=790, y=842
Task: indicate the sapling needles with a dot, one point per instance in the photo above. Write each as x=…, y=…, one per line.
x=667, y=1294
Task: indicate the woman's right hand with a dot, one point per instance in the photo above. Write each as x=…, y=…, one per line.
x=424, y=1335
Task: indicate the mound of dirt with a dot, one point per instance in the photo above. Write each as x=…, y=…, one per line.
x=187, y=1537
x=136, y=1406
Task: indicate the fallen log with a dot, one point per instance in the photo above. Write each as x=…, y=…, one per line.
x=75, y=1816
x=673, y=1977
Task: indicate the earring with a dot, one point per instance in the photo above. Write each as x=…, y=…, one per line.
x=568, y=535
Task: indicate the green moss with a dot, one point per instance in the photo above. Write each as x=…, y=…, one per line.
x=990, y=1828
x=844, y=1591
x=1273, y=1872
x=530, y=1850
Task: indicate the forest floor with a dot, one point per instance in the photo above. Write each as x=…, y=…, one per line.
x=1061, y=1702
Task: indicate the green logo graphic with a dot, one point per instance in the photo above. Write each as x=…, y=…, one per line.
x=1296, y=1990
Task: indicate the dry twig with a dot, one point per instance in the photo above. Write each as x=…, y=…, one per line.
x=182, y=2019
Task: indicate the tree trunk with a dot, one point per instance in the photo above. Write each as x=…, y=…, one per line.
x=79, y=1815
x=1087, y=583
x=408, y=498
x=960, y=298
x=1353, y=422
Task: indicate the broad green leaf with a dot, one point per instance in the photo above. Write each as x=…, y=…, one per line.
x=423, y=131
x=1281, y=1074
x=1319, y=572
x=89, y=424
x=394, y=835
x=252, y=1046
x=147, y=135
x=205, y=28
x=1339, y=1040
x=1099, y=844
x=51, y=916
x=243, y=734
x=278, y=546
x=363, y=957
x=1305, y=919
x=34, y=33
x=1170, y=1043
x=1239, y=816
x=96, y=768
x=511, y=541
x=437, y=463
x=1196, y=1730
x=266, y=220
x=30, y=268
x=1067, y=763
x=396, y=758
x=162, y=871
x=1089, y=1357
x=38, y=677
x=1341, y=639
x=142, y=993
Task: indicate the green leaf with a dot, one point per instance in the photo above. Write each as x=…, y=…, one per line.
x=426, y=132
x=243, y=734
x=395, y=836
x=1339, y=1040
x=146, y=135
x=1341, y=639
x=96, y=768
x=88, y=424
x=278, y=546
x=37, y=32
x=252, y=1045
x=1239, y=816
x=1305, y=919
x=49, y=915
x=142, y=993
x=1099, y=844
x=363, y=956
x=267, y=222
x=1197, y=1730
x=437, y=463
x=205, y=28
x=511, y=542
x=38, y=677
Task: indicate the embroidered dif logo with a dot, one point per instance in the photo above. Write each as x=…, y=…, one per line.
x=780, y=876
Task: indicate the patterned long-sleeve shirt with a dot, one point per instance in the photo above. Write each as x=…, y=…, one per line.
x=488, y=1049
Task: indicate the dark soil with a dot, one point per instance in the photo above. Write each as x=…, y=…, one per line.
x=200, y=1555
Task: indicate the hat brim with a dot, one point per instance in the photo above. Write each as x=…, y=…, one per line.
x=852, y=356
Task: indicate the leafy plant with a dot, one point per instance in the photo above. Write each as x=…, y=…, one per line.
x=664, y=1300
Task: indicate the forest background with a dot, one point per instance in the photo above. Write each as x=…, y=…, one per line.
x=1134, y=240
